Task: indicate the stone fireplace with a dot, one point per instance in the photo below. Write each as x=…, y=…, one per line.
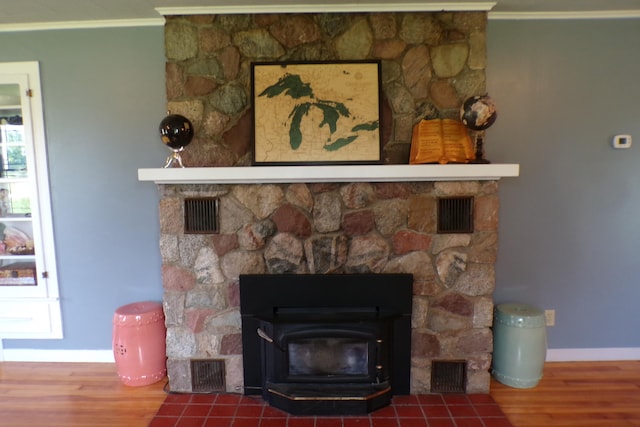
x=342, y=220
x=330, y=228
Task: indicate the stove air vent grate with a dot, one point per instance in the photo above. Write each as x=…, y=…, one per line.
x=201, y=215
x=207, y=376
x=455, y=215
x=449, y=376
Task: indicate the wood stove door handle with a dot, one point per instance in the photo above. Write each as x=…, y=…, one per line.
x=262, y=334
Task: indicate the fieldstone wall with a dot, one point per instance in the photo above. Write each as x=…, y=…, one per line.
x=431, y=62
x=329, y=229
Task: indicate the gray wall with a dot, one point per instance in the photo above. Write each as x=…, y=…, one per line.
x=104, y=98
x=569, y=231
x=570, y=224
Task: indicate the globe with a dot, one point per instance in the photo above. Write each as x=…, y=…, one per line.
x=176, y=131
x=478, y=112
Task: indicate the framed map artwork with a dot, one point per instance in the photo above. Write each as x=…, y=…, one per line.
x=316, y=113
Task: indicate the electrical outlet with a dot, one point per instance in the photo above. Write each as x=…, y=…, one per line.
x=621, y=141
x=550, y=317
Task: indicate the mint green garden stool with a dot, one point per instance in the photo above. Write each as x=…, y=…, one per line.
x=519, y=345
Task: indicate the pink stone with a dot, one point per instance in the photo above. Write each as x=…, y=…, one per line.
x=238, y=138
x=174, y=84
x=213, y=39
x=231, y=344
x=289, y=219
x=475, y=341
x=424, y=344
x=444, y=95
x=229, y=58
x=407, y=241
x=177, y=278
x=322, y=187
x=455, y=303
x=358, y=223
x=392, y=190
x=195, y=318
x=486, y=213
x=388, y=49
x=224, y=243
x=233, y=294
x=199, y=86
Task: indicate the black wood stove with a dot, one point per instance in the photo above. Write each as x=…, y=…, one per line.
x=326, y=344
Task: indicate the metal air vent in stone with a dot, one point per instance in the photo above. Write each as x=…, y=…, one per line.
x=448, y=376
x=455, y=215
x=207, y=376
x=201, y=215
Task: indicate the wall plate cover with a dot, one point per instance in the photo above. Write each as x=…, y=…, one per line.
x=621, y=141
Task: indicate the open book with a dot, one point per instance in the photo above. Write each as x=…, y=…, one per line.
x=441, y=141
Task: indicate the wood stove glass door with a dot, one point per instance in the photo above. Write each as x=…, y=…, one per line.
x=328, y=357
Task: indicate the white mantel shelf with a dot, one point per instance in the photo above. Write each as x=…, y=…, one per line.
x=310, y=174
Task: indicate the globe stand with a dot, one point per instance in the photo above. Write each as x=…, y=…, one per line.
x=176, y=132
x=479, y=156
x=174, y=160
x=478, y=113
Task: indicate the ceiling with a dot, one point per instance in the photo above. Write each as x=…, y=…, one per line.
x=42, y=14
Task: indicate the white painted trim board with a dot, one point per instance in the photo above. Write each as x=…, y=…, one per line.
x=106, y=356
x=592, y=354
x=35, y=355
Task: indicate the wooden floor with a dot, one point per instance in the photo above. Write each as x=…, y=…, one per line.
x=73, y=394
x=602, y=394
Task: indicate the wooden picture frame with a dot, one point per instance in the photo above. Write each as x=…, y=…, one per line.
x=307, y=113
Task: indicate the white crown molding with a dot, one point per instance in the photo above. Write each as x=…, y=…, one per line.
x=595, y=14
x=328, y=8
x=319, y=8
x=72, y=25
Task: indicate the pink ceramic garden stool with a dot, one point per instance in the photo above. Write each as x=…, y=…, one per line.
x=139, y=343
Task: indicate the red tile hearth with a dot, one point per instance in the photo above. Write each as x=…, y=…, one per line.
x=230, y=410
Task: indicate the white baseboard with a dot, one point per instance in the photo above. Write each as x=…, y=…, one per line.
x=106, y=356
x=32, y=355
x=592, y=354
